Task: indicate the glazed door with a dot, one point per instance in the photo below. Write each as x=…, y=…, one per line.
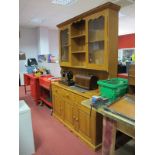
x=96, y=42
x=68, y=112
x=64, y=46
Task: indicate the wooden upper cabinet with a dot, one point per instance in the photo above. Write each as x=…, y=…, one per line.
x=64, y=46
x=91, y=40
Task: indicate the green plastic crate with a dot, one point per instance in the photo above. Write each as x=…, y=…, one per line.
x=113, y=88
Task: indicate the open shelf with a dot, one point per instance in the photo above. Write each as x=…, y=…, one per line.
x=46, y=102
x=79, y=52
x=78, y=36
x=79, y=67
x=79, y=59
x=78, y=44
x=93, y=41
x=78, y=28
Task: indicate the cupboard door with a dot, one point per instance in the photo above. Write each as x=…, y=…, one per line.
x=69, y=99
x=61, y=108
x=58, y=102
x=75, y=117
x=97, y=43
x=68, y=112
x=64, y=46
x=84, y=120
x=56, y=105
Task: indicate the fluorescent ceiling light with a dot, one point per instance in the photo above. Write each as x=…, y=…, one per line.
x=63, y=2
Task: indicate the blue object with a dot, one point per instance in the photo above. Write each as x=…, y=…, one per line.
x=30, y=69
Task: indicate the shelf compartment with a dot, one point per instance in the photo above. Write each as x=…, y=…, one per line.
x=78, y=28
x=79, y=67
x=45, y=82
x=79, y=59
x=78, y=44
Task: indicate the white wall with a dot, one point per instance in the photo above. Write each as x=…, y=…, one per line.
x=54, y=42
x=43, y=40
x=127, y=20
x=27, y=44
x=54, y=68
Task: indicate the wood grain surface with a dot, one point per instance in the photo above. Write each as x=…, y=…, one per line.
x=124, y=106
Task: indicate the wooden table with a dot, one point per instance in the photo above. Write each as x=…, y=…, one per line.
x=111, y=123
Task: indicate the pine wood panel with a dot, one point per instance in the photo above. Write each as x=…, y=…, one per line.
x=68, y=112
x=68, y=109
x=112, y=34
x=84, y=124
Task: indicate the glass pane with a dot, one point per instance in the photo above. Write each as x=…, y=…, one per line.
x=96, y=40
x=96, y=50
x=64, y=45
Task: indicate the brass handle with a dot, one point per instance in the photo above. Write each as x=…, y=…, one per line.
x=76, y=119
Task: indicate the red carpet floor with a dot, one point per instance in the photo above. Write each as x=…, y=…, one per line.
x=50, y=136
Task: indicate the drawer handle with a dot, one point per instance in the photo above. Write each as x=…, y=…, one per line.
x=76, y=119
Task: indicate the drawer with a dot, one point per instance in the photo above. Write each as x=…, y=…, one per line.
x=69, y=95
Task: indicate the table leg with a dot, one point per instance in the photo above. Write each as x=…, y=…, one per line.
x=108, y=137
